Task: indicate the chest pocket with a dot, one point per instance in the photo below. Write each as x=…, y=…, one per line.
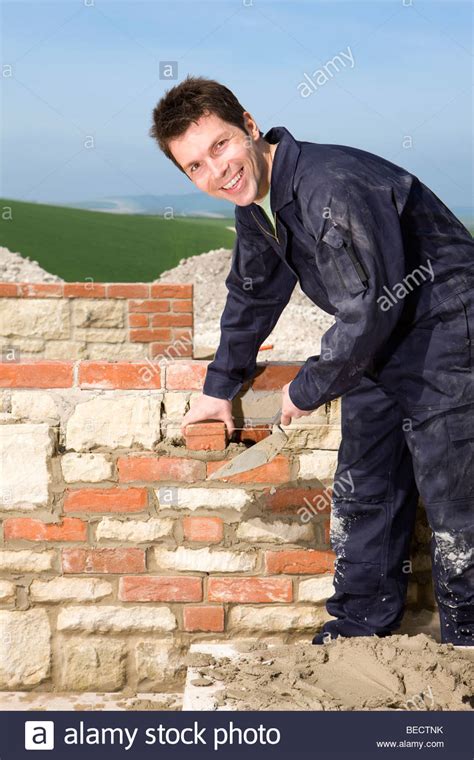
x=352, y=274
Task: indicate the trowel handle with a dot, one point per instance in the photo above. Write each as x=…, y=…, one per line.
x=276, y=419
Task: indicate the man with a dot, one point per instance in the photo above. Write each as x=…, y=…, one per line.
x=372, y=245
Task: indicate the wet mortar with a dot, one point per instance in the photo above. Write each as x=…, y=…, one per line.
x=399, y=672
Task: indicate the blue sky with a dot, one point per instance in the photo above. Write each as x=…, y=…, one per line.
x=85, y=68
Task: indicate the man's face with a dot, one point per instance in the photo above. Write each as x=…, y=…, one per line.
x=213, y=152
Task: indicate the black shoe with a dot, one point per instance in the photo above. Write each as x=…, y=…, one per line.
x=325, y=637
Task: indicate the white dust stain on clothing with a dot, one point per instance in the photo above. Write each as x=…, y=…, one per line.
x=338, y=533
x=454, y=552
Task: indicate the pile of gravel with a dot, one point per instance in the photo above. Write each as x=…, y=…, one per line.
x=17, y=268
x=296, y=336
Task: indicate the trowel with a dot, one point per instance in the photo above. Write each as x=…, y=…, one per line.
x=258, y=454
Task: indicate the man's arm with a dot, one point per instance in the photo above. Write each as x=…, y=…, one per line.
x=367, y=231
x=259, y=287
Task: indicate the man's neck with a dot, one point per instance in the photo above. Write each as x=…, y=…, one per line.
x=268, y=155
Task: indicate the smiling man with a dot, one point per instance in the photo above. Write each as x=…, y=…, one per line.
x=247, y=171
x=355, y=231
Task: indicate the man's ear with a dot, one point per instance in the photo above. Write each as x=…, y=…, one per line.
x=248, y=114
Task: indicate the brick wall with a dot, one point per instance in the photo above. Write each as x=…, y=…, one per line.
x=85, y=320
x=116, y=552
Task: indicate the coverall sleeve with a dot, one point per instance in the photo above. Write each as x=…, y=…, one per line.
x=360, y=257
x=259, y=287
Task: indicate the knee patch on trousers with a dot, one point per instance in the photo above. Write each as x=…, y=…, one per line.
x=460, y=426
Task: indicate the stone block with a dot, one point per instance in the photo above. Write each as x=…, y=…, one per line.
x=110, y=619
x=94, y=664
x=85, y=468
x=24, y=453
x=36, y=317
x=115, y=419
x=95, y=312
x=25, y=653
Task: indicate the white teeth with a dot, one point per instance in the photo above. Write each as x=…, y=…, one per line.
x=233, y=181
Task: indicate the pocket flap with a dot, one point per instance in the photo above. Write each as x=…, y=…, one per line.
x=363, y=488
x=351, y=271
x=461, y=425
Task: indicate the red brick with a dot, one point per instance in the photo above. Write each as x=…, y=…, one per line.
x=28, y=529
x=290, y=500
x=203, y=618
x=272, y=377
x=182, y=306
x=103, y=560
x=145, y=335
x=186, y=376
x=36, y=374
x=119, y=375
x=149, y=306
x=250, y=590
x=180, y=347
x=161, y=588
x=138, y=320
x=206, y=436
x=106, y=500
x=276, y=471
x=160, y=350
x=84, y=290
x=9, y=290
x=164, y=290
x=299, y=561
x=41, y=289
x=128, y=290
x=171, y=320
x=150, y=468
x=207, y=529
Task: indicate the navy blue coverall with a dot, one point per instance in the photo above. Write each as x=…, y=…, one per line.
x=372, y=245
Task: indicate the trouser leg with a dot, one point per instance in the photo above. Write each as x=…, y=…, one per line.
x=434, y=375
x=372, y=519
x=443, y=459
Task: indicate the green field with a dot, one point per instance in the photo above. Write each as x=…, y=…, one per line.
x=82, y=245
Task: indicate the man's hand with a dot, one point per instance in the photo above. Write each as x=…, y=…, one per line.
x=209, y=408
x=288, y=410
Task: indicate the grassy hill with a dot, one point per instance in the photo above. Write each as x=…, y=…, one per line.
x=77, y=245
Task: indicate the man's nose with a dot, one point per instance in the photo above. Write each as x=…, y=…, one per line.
x=217, y=172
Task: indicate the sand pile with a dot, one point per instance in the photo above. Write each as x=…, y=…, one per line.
x=17, y=268
x=299, y=330
x=363, y=673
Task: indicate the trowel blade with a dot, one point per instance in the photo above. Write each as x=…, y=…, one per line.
x=261, y=453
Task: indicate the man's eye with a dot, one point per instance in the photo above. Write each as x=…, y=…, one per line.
x=221, y=142
x=192, y=167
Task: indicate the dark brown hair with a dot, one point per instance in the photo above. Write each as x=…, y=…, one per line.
x=186, y=103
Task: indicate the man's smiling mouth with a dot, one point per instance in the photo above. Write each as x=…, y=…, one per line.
x=234, y=184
